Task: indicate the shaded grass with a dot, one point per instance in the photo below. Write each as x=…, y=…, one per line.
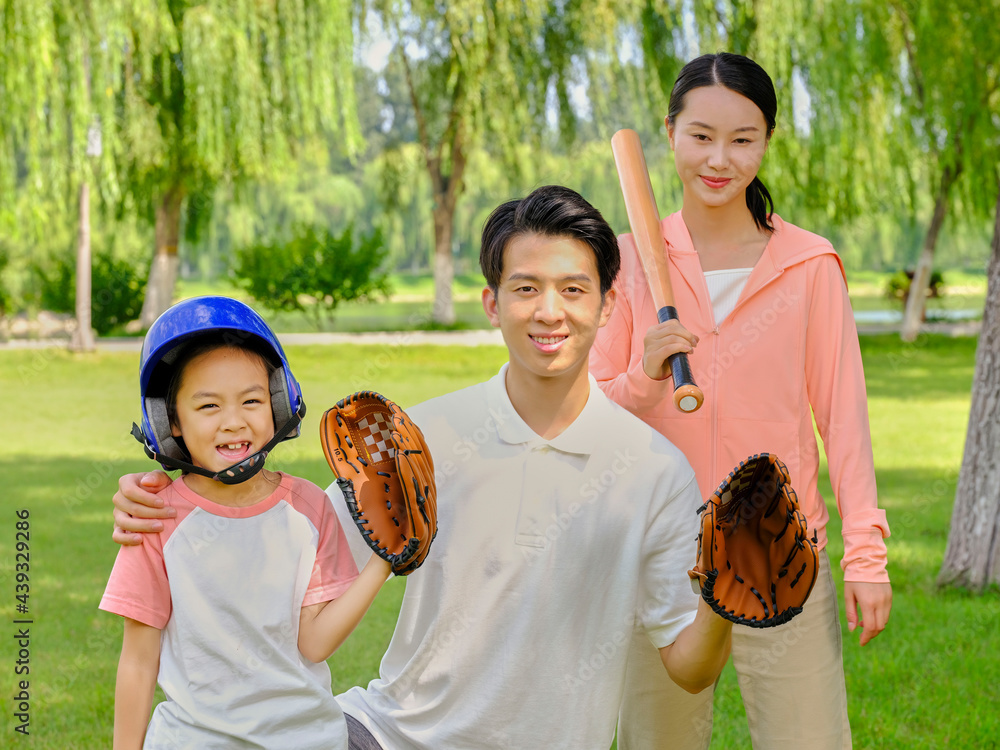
x=931, y=680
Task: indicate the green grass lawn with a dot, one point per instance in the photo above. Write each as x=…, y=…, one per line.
x=963, y=290
x=931, y=680
x=409, y=306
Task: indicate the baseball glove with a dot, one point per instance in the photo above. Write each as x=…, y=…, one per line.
x=386, y=472
x=756, y=560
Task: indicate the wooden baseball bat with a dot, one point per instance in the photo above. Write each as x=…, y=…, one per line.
x=644, y=218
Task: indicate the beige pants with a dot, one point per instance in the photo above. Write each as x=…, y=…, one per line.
x=791, y=679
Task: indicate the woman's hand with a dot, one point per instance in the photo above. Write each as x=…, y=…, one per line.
x=875, y=602
x=662, y=341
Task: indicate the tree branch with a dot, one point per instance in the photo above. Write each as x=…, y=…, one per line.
x=454, y=136
x=418, y=113
x=458, y=162
x=911, y=56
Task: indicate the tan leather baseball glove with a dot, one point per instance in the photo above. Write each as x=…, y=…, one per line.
x=757, y=562
x=386, y=472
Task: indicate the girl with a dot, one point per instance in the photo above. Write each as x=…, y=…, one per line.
x=235, y=606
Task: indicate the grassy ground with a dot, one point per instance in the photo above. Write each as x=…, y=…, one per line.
x=408, y=308
x=931, y=680
x=410, y=304
x=963, y=290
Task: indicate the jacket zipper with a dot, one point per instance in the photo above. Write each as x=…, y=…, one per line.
x=714, y=433
x=717, y=344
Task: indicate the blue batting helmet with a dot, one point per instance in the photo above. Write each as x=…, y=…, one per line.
x=183, y=324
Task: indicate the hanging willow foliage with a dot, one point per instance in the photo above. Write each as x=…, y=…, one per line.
x=233, y=88
x=48, y=54
x=182, y=92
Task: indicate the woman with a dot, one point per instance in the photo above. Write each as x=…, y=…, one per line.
x=771, y=339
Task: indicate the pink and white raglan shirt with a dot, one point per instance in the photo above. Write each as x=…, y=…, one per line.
x=226, y=586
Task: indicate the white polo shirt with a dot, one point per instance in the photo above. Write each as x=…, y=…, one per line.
x=514, y=633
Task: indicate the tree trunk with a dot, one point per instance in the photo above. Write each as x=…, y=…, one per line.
x=444, y=263
x=447, y=189
x=972, y=559
x=917, y=298
x=83, y=337
x=163, y=271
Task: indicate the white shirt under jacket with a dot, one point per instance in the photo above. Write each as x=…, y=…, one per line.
x=514, y=633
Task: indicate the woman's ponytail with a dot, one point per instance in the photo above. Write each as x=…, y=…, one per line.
x=760, y=204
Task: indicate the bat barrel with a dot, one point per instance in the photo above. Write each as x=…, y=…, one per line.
x=644, y=219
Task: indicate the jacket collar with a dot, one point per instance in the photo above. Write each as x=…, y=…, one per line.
x=788, y=246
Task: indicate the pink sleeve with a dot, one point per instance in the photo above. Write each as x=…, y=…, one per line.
x=138, y=586
x=835, y=380
x=616, y=356
x=334, y=570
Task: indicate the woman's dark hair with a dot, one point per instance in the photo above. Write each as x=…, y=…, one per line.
x=249, y=344
x=744, y=76
x=551, y=211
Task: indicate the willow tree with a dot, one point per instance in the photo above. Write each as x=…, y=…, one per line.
x=217, y=90
x=953, y=108
x=935, y=63
x=56, y=86
x=483, y=74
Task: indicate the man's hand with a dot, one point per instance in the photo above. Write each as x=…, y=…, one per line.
x=661, y=342
x=137, y=506
x=874, y=600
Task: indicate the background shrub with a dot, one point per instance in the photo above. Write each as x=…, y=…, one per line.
x=314, y=271
x=897, y=287
x=117, y=289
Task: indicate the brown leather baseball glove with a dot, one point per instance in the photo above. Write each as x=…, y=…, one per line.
x=756, y=561
x=386, y=472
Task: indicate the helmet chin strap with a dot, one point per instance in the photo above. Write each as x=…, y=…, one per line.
x=238, y=472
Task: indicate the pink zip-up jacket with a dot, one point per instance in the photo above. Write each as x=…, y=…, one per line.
x=788, y=350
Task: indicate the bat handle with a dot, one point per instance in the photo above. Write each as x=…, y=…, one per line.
x=687, y=395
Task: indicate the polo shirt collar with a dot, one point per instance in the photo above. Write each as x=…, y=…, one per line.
x=580, y=437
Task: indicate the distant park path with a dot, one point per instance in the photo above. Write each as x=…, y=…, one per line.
x=450, y=338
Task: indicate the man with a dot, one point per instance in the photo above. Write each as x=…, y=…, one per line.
x=564, y=523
